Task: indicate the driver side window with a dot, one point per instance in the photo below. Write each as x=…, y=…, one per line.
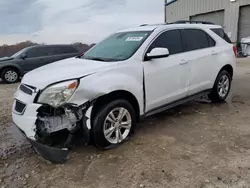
x=168, y=39
x=37, y=52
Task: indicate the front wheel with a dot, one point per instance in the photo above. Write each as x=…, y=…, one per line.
x=113, y=124
x=221, y=87
x=10, y=75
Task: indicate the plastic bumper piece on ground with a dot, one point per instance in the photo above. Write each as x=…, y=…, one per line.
x=55, y=155
x=52, y=154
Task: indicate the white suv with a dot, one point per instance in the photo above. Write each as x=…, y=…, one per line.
x=135, y=73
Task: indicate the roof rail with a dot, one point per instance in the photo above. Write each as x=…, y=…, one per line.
x=182, y=22
x=157, y=24
x=194, y=22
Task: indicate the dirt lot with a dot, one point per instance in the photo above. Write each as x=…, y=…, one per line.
x=196, y=145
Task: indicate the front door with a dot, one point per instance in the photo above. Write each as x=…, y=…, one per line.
x=36, y=57
x=166, y=79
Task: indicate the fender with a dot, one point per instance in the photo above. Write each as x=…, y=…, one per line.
x=10, y=64
x=224, y=60
x=102, y=83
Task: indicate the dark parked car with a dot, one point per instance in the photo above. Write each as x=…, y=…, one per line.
x=14, y=67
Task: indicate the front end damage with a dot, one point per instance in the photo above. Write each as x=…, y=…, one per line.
x=58, y=129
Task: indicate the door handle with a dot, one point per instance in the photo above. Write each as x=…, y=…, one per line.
x=214, y=53
x=183, y=62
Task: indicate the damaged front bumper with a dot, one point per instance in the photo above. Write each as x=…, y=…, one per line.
x=52, y=154
x=44, y=129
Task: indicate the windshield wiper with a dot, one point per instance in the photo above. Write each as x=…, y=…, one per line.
x=98, y=59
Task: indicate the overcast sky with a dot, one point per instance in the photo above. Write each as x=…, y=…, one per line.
x=67, y=21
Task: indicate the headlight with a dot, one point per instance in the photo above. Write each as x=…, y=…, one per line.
x=58, y=94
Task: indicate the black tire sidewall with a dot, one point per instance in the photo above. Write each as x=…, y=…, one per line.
x=4, y=72
x=215, y=95
x=98, y=123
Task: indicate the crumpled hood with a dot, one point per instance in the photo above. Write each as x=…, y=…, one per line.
x=64, y=70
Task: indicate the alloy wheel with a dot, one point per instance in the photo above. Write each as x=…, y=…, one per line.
x=117, y=125
x=223, y=86
x=11, y=76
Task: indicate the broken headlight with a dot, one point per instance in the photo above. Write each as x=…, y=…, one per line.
x=58, y=94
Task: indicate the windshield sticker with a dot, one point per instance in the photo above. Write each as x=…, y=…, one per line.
x=134, y=38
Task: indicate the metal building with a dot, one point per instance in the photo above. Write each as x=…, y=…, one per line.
x=233, y=15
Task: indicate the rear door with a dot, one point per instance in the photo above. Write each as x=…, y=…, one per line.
x=201, y=55
x=55, y=54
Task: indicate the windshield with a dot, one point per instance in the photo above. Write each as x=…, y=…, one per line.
x=117, y=47
x=19, y=53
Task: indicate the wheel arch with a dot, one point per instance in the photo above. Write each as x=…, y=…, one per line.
x=229, y=69
x=12, y=67
x=118, y=94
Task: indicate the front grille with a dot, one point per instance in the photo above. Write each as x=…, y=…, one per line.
x=20, y=107
x=26, y=89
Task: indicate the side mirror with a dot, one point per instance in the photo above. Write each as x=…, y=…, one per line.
x=23, y=56
x=80, y=55
x=158, y=53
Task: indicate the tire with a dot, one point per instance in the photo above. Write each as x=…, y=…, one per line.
x=101, y=124
x=10, y=75
x=220, y=91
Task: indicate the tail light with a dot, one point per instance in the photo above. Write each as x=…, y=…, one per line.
x=235, y=50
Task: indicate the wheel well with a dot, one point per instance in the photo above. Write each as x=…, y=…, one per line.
x=229, y=69
x=9, y=67
x=120, y=94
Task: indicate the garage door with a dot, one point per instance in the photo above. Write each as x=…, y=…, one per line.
x=244, y=22
x=215, y=17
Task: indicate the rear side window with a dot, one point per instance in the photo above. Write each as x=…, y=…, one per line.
x=222, y=34
x=169, y=39
x=54, y=50
x=57, y=50
x=219, y=32
x=68, y=50
x=195, y=39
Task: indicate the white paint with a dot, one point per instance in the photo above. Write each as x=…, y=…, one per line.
x=166, y=79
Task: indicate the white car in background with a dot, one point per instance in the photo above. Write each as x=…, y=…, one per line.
x=130, y=75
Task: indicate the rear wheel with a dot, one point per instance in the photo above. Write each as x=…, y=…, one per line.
x=221, y=87
x=10, y=75
x=113, y=124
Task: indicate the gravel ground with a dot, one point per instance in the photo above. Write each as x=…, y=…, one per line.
x=195, y=145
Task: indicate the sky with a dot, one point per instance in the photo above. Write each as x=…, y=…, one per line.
x=68, y=21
